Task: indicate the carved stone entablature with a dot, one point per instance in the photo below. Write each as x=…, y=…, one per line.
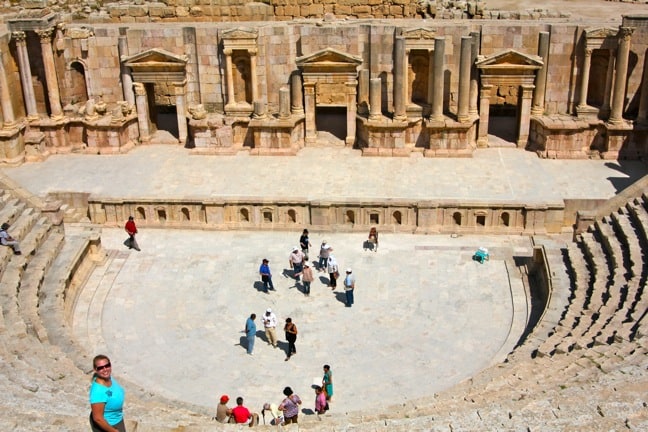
x=240, y=38
x=329, y=60
x=157, y=65
x=81, y=32
x=33, y=19
x=419, y=38
x=509, y=62
x=601, y=38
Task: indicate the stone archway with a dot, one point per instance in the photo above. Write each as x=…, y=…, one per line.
x=330, y=80
x=162, y=68
x=508, y=69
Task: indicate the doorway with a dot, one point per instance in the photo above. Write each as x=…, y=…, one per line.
x=331, y=121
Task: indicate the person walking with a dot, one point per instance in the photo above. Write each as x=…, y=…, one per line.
x=307, y=278
x=270, y=324
x=373, y=238
x=266, y=275
x=106, y=398
x=250, y=333
x=323, y=256
x=305, y=244
x=290, y=406
x=349, y=286
x=327, y=382
x=7, y=240
x=131, y=229
x=291, y=336
x=296, y=261
x=332, y=267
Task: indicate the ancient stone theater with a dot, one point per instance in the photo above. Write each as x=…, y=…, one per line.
x=386, y=79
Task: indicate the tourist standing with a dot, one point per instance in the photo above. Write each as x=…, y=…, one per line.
x=290, y=406
x=106, y=398
x=323, y=256
x=250, y=333
x=333, y=271
x=296, y=261
x=349, y=286
x=320, y=401
x=7, y=240
x=373, y=238
x=131, y=229
x=327, y=382
x=304, y=243
x=291, y=336
x=269, y=325
x=266, y=275
x=307, y=278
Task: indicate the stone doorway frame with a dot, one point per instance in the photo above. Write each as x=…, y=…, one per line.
x=510, y=68
x=157, y=66
x=330, y=79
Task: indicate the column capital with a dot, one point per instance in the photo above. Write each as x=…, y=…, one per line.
x=588, y=52
x=228, y=51
x=625, y=33
x=19, y=36
x=253, y=52
x=45, y=35
x=139, y=88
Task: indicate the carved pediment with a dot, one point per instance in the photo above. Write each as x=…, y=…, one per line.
x=155, y=56
x=418, y=33
x=239, y=33
x=600, y=33
x=509, y=62
x=328, y=57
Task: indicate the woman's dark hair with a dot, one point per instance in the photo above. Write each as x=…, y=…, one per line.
x=327, y=367
x=288, y=320
x=288, y=391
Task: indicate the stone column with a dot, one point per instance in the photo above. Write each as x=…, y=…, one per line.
x=141, y=103
x=181, y=110
x=437, y=102
x=5, y=98
x=284, y=103
x=587, y=63
x=541, y=75
x=25, y=74
x=400, y=75
x=126, y=78
x=229, y=76
x=254, y=81
x=484, y=107
x=474, y=74
x=623, y=54
x=642, y=115
x=464, y=79
x=309, y=108
x=50, y=72
x=430, y=89
x=525, y=115
x=609, y=82
x=363, y=91
x=296, y=95
x=375, y=99
x=351, y=112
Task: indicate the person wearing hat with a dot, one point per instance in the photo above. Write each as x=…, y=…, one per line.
x=223, y=413
x=7, y=240
x=266, y=276
x=270, y=324
x=296, y=261
x=349, y=286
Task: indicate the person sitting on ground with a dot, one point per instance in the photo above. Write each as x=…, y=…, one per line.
x=242, y=415
x=7, y=240
x=223, y=412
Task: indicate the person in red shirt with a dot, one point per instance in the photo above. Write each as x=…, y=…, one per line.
x=242, y=415
x=131, y=229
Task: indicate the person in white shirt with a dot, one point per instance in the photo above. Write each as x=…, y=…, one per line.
x=270, y=324
x=332, y=267
x=349, y=286
x=7, y=240
x=296, y=261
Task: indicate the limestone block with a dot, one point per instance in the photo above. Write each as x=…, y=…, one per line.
x=362, y=10
x=182, y=11
x=342, y=9
x=137, y=11
x=395, y=10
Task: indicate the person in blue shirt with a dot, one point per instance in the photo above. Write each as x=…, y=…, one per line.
x=106, y=398
x=266, y=276
x=250, y=333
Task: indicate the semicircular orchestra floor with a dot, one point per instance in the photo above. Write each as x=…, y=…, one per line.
x=426, y=316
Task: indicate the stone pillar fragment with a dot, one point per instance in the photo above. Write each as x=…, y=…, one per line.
x=229, y=76
x=623, y=54
x=587, y=64
x=254, y=81
x=284, y=103
x=181, y=110
x=5, y=97
x=141, y=103
x=50, y=72
x=351, y=112
x=296, y=95
x=363, y=92
x=309, y=108
x=541, y=75
x=437, y=102
x=525, y=115
x=484, y=114
x=375, y=98
x=474, y=74
x=25, y=74
x=400, y=75
x=464, y=79
x=126, y=78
